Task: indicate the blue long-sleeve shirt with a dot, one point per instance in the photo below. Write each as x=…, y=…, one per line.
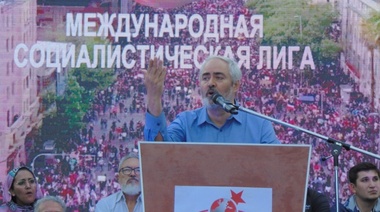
x=196, y=126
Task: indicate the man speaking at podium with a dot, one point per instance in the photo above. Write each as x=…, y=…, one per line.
x=217, y=120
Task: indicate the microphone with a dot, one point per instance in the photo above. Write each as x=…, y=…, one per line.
x=226, y=105
x=325, y=158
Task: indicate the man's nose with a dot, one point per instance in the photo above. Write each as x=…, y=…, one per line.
x=211, y=82
x=133, y=173
x=373, y=183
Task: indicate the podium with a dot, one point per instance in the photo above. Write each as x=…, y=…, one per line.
x=187, y=176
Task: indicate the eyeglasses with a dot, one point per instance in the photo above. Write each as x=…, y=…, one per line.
x=128, y=170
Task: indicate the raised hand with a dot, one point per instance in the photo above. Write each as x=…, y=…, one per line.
x=154, y=79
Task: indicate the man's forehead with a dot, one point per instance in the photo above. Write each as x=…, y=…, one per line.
x=131, y=161
x=51, y=206
x=216, y=69
x=216, y=63
x=368, y=173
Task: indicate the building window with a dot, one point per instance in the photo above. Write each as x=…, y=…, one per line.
x=8, y=118
x=12, y=112
x=15, y=118
x=8, y=68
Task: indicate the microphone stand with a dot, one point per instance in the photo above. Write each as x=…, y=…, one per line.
x=336, y=144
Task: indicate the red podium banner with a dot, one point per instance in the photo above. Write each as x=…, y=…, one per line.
x=228, y=173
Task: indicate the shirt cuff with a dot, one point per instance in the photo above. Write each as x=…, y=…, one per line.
x=154, y=125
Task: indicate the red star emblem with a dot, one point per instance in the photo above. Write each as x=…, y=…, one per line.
x=236, y=197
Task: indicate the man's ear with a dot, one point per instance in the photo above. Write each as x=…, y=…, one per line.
x=352, y=188
x=236, y=86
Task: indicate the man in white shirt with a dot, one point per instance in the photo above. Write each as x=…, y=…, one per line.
x=128, y=199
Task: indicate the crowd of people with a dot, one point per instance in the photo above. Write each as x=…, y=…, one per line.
x=23, y=192
x=88, y=170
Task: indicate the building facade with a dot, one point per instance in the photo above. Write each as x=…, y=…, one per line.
x=18, y=87
x=360, y=59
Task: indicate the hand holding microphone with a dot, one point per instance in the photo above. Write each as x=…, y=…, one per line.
x=226, y=105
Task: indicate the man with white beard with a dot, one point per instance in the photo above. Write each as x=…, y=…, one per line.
x=128, y=199
x=219, y=81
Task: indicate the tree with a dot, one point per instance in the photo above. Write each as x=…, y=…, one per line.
x=371, y=34
x=93, y=79
x=64, y=123
x=298, y=22
x=72, y=107
x=371, y=29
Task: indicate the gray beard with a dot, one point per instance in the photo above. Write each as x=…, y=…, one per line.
x=208, y=103
x=131, y=189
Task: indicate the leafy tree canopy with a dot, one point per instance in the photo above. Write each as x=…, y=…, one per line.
x=371, y=29
x=298, y=22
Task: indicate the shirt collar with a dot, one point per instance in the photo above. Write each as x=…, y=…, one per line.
x=120, y=197
x=351, y=204
x=203, y=117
